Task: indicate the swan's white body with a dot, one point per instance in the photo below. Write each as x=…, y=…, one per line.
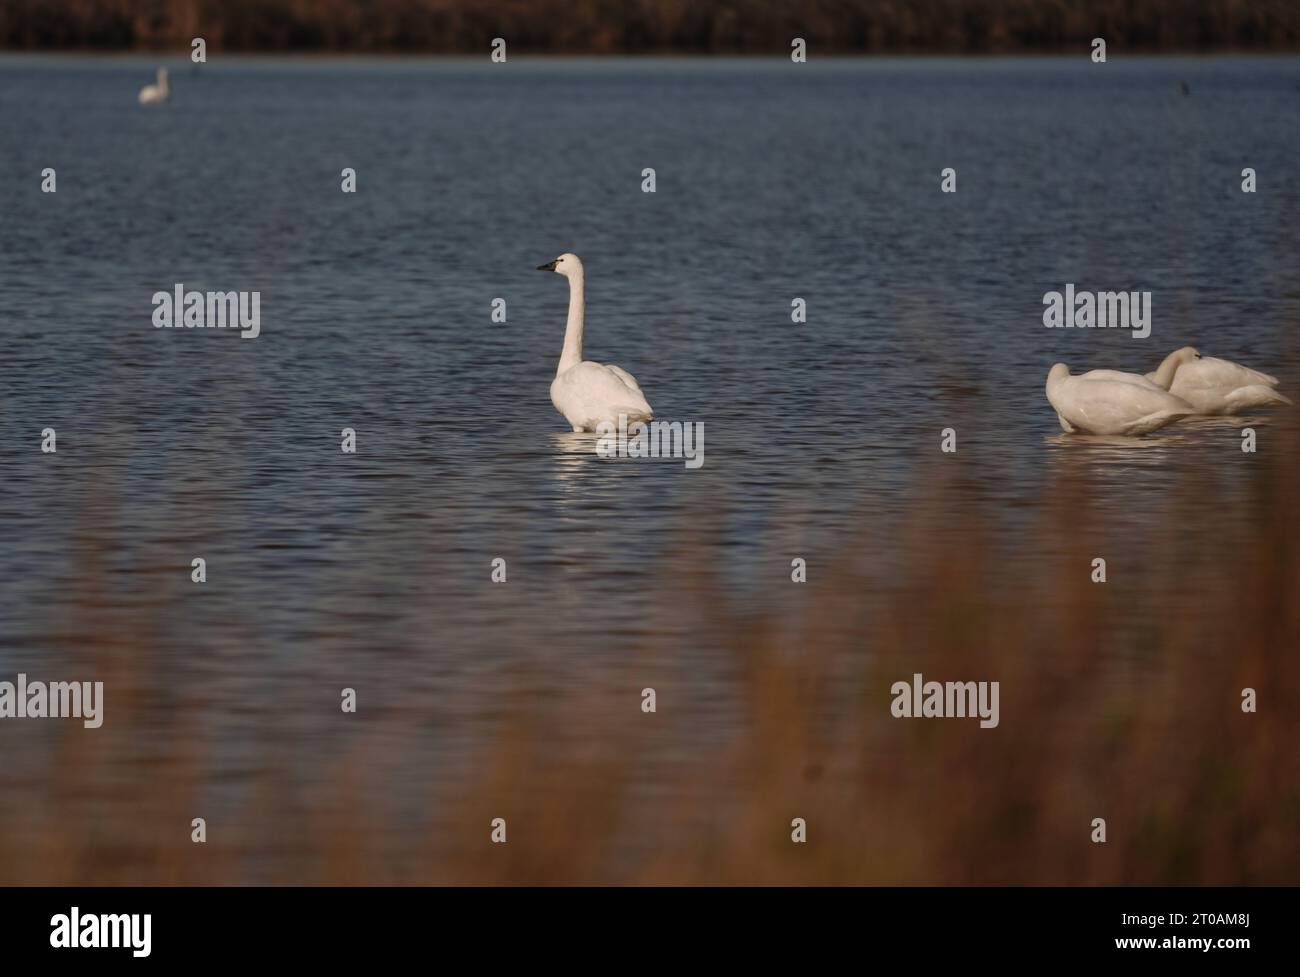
x=152, y=94
x=1110, y=402
x=588, y=393
x=1121, y=377
x=1215, y=386
x=1158, y=380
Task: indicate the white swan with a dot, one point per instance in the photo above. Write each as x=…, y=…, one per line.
x=156, y=93
x=1160, y=379
x=1215, y=386
x=587, y=393
x=1106, y=405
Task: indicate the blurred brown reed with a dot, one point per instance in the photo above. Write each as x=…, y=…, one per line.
x=1141, y=727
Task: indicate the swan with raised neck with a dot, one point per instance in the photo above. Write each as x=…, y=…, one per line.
x=590, y=394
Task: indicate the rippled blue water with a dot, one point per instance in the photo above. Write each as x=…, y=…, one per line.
x=774, y=181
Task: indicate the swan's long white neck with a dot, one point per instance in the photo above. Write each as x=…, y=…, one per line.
x=1164, y=376
x=571, y=355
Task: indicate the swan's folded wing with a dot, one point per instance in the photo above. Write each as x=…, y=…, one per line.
x=597, y=392
x=1225, y=374
x=1254, y=395
x=1108, y=406
x=623, y=375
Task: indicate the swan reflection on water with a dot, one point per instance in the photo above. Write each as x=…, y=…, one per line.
x=1173, y=448
x=1189, y=431
x=1115, y=442
x=580, y=475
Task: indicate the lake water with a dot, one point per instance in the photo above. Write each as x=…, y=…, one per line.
x=774, y=181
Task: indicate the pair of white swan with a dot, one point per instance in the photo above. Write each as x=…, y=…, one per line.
x=1186, y=383
x=160, y=92
x=588, y=393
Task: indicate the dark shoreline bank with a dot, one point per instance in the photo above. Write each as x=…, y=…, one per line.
x=664, y=27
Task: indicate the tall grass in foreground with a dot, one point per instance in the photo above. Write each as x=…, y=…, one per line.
x=1140, y=726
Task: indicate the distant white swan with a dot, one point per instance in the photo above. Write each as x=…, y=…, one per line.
x=587, y=393
x=1215, y=386
x=156, y=93
x=1107, y=405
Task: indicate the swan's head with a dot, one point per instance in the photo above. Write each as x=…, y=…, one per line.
x=1185, y=355
x=1058, y=372
x=566, y=264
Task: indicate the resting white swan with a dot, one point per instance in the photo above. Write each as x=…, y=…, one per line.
x=1160, y=379
x=1215, y=386
x=156, y=93
x=587, y=393
x=1106, y=405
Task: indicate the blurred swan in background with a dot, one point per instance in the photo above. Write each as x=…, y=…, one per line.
x=1215, y=386
x=588, y=393
x=1111, y=403
x=159, y=92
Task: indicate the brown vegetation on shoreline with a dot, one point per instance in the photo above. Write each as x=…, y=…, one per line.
x=757, y=27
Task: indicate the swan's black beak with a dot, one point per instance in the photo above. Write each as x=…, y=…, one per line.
x=549, y=266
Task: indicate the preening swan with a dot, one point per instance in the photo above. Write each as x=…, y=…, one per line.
x=1161, y=378
x=1215, y=386
x=156, y=93
x=587, y=393
x=1106, y=404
